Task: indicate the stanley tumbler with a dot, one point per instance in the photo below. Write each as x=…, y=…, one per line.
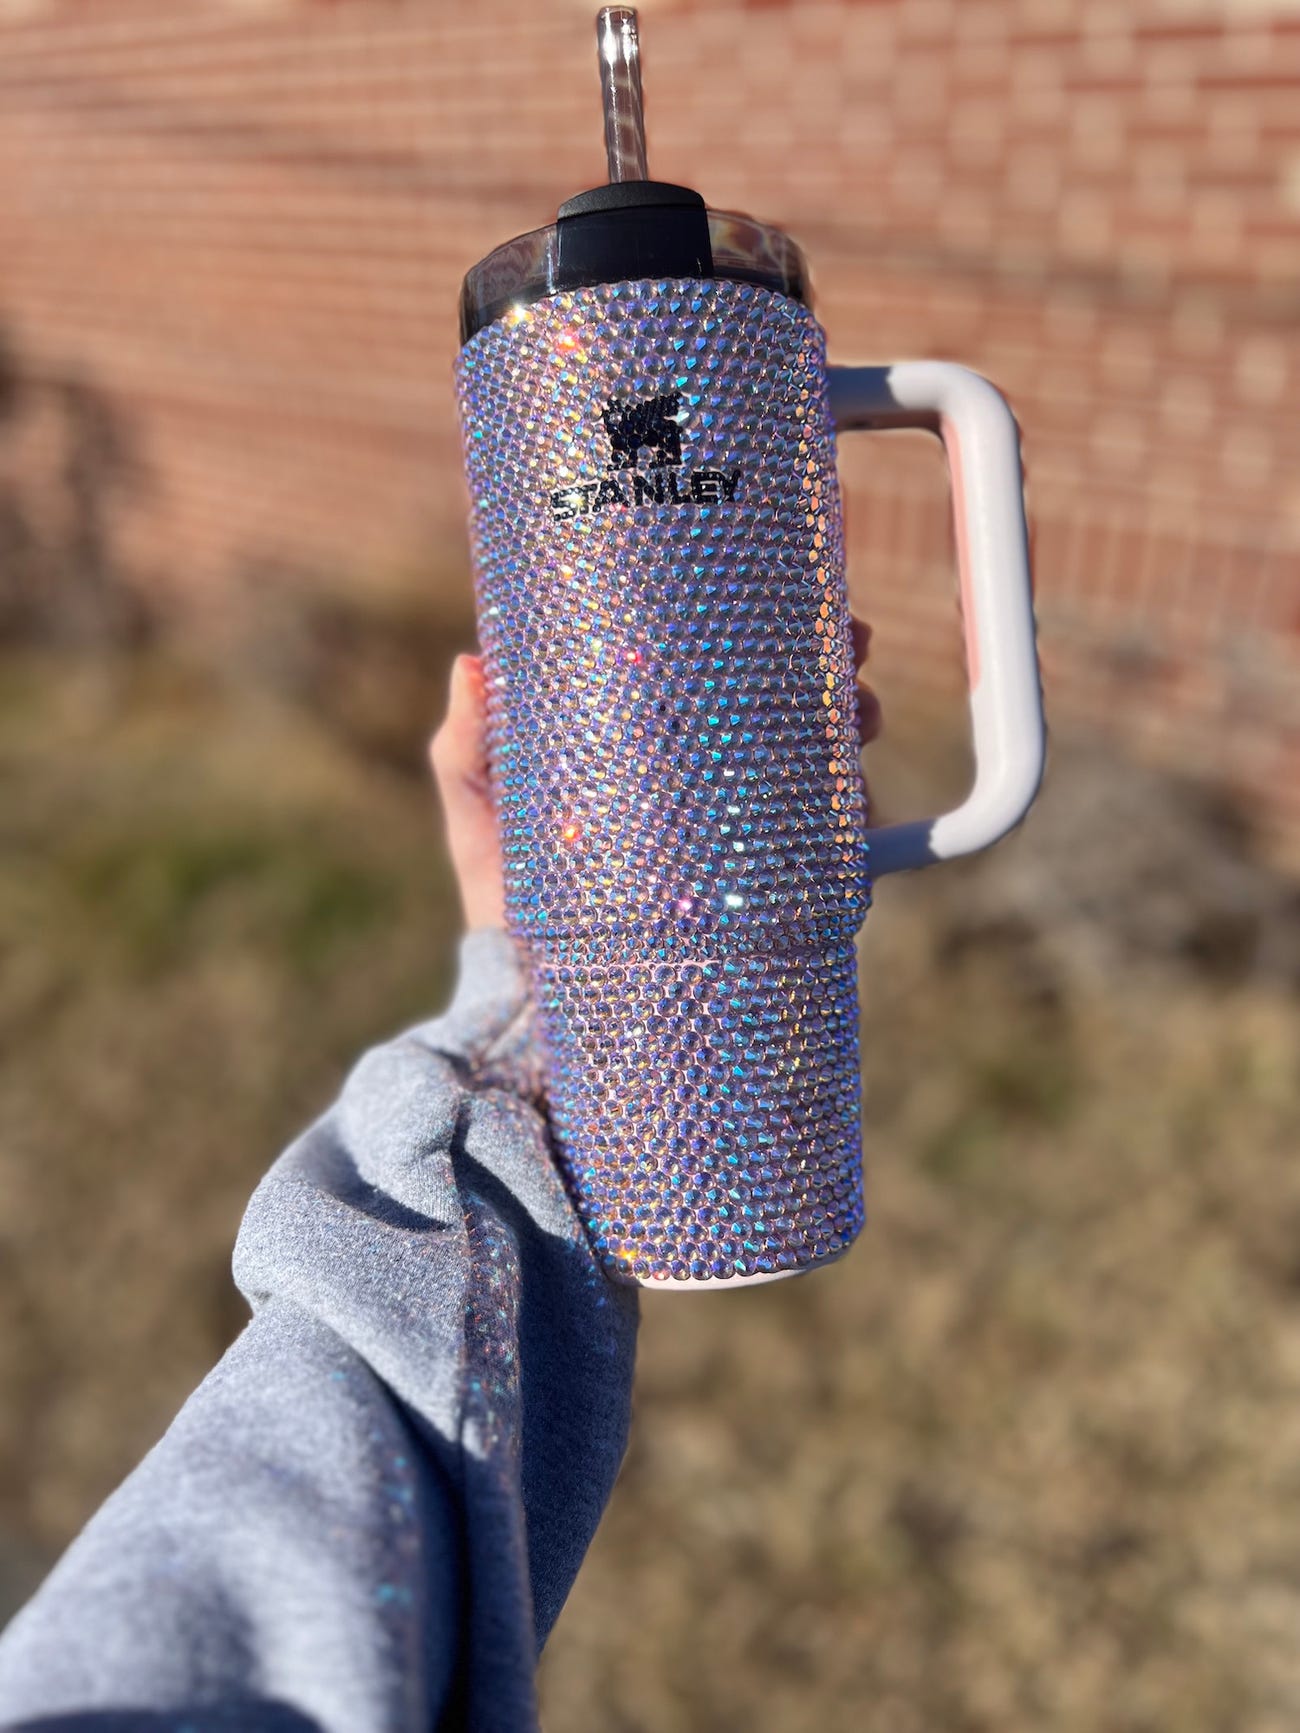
x=649, y=430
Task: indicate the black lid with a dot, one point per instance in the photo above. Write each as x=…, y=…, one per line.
x=543, y=262
x=631, y=229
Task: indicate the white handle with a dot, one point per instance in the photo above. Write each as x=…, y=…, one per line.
x=982, y=441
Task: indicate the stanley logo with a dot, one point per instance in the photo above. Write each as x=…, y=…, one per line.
x=652, y=425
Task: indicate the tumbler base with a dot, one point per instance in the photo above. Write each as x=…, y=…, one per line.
x=711, y=1284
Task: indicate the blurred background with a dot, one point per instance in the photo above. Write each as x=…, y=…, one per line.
x=1030, y=1457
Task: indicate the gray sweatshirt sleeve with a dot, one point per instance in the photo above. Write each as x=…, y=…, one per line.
x=369, y=1514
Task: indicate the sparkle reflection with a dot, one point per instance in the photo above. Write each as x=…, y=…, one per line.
x=678, y=714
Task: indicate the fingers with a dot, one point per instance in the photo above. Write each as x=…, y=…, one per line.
x=870, y=716
x=458, y=751
x=458, y=754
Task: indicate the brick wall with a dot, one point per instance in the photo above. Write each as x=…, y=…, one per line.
x=231, y=236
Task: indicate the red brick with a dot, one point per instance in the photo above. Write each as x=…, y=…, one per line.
x=245, y=228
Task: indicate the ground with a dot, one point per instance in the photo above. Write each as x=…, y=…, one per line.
x=1029, y=1458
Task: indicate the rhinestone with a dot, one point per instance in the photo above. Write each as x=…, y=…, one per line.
x=672, y=734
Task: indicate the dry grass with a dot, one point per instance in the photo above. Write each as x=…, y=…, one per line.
x=206, y=910
x=1029, y=1458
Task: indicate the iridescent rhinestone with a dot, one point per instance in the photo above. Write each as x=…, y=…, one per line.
x=672, y=730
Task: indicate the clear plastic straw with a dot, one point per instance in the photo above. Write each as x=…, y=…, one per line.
x=620, y=90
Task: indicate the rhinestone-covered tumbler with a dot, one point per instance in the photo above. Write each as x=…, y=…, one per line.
x=659, y=573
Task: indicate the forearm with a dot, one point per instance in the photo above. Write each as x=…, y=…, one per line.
x=286, y=1542
x=369, y=1514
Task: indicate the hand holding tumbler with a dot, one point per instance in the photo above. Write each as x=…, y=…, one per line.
x=649, y=430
